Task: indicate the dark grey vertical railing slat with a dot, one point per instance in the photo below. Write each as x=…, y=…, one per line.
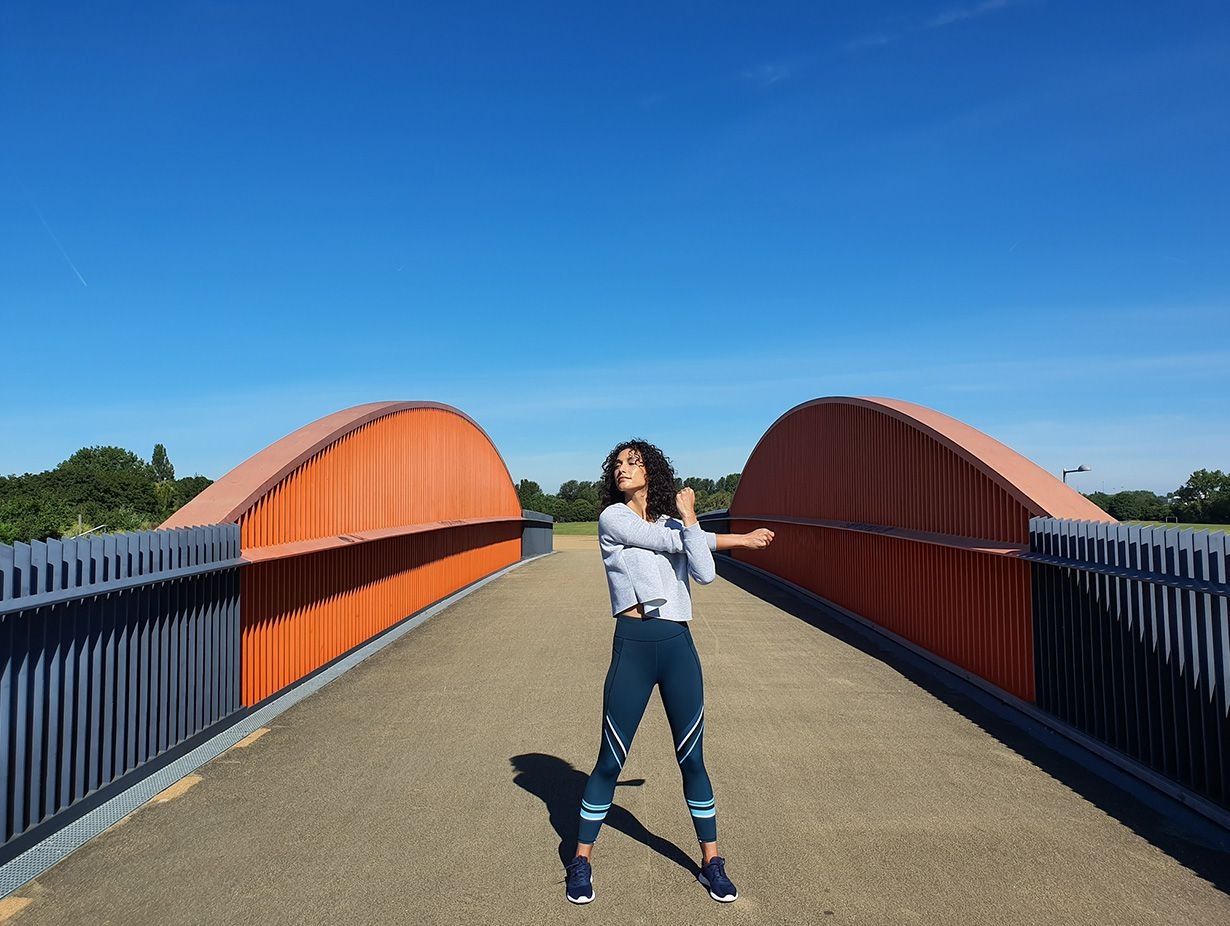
x=1132, y=643
x=207, y=641
x=6, y=712
x=21, y=577
x=103, y=642
x=110, y=617
x=20, y=718
x=38, y=716
x=7, y=581
x=54, y=622
x=162, y=617
x=119, y=759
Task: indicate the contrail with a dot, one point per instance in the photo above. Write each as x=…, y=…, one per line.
x=67, y=259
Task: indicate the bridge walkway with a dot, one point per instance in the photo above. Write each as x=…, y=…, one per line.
x=438, y=782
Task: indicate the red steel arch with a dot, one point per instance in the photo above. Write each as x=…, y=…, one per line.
x=909, y=519
x=354, y=522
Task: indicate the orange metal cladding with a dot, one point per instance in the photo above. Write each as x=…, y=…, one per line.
x=355, y=522
x=923, y=518
x=301, y=613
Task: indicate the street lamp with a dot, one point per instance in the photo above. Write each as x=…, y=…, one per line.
x=1080, y=469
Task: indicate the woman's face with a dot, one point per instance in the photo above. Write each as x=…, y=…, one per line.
x=630, y=472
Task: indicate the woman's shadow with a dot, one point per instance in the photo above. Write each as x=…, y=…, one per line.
x=558, y=785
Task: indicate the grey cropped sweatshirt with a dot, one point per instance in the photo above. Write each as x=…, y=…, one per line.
x=649, y=564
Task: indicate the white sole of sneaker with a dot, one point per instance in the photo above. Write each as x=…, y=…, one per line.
x=572, y=899
x=728, y=898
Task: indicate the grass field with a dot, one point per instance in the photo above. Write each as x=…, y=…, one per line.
x=1194, y=527
x=578, y=528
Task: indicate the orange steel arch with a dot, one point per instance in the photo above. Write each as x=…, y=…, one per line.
x=909, y=519
x=354, y=522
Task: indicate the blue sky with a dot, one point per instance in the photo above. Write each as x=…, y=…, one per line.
x=220, y=221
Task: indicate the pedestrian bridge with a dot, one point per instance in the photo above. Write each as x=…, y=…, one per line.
x=915, y=714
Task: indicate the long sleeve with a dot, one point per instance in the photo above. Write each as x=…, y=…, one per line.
x=619, y=524
x=697, y=543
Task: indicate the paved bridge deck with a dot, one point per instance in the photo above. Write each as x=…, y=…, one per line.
x=434, y=784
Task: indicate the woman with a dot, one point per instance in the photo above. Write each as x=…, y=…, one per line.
x=651, y=542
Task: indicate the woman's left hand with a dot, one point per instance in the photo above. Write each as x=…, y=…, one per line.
x=758, y=539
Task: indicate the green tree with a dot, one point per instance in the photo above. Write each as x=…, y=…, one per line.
x=581, y=509
x=98, y=479
x=164, y=492
x=1204, y=496
x=96, y=486
x=553, y=505
x=568, y=491
x=527, y=492
x=161, y=465
x=28, y=510
x=189, y=487
x=590, y=492
x=1138, y=505
x=1101, y=499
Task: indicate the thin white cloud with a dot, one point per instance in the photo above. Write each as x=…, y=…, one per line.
x=766, y=75
x=63, y=252
x=874, y=40
x=949, y=17
x=961, y=14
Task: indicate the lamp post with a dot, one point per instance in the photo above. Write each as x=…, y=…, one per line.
x=1080, y=469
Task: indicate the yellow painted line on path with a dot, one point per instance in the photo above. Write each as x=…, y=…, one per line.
x=251, y=738
x=177, y=789
x=11, y=905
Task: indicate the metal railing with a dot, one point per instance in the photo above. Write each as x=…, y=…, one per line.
x=1132, y=643
x=537, y=533
x=113, y=650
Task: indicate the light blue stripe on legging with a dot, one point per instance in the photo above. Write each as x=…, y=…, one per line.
x=704, y=814
x=700, y=804
x=597, y=807
x=596, y=817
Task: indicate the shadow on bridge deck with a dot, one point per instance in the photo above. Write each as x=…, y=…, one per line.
x=438, y=782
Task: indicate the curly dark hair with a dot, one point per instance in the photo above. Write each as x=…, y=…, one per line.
x=658, y=471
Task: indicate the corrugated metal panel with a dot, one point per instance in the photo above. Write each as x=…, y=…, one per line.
x=1133, y=634
x=970, y=608
x=856, y=463
x=303, y=612
x=356, y=521
x=908, y=518
x=411, y=467
x=92, y=633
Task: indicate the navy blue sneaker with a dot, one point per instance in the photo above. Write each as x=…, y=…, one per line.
x=580, y=880
x=713, y=876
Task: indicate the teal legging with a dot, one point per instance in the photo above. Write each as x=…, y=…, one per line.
x=645, y=653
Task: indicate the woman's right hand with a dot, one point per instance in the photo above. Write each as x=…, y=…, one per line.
x=685, y=501
x=758, y=539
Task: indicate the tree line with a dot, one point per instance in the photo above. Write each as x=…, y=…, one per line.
x=114, y=489
x=97, y=489
x=1203, y=499
x=578, y=500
